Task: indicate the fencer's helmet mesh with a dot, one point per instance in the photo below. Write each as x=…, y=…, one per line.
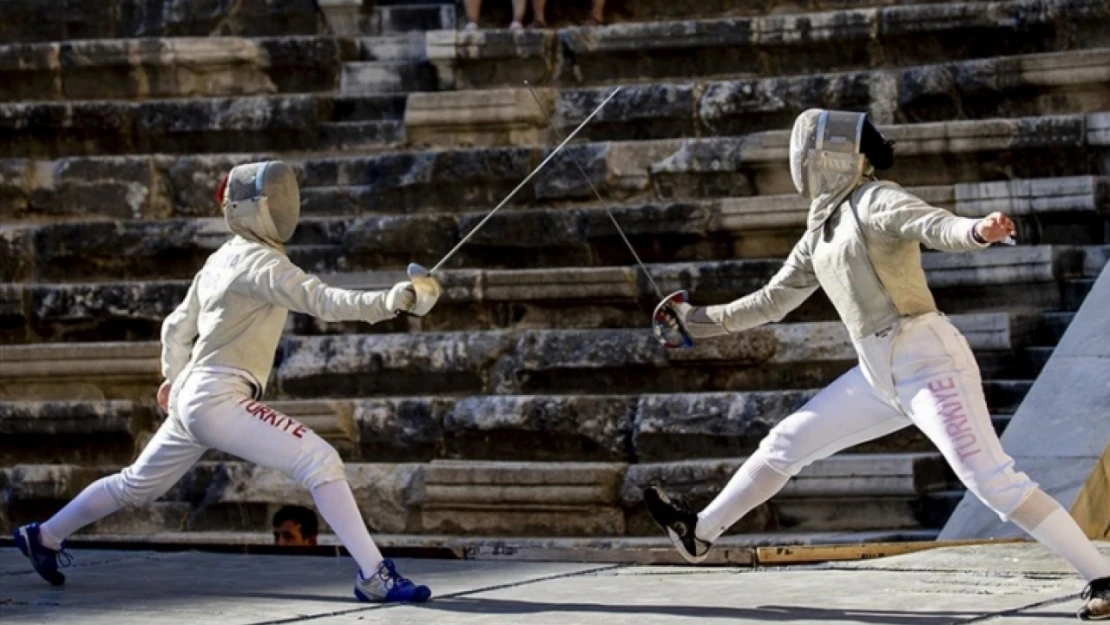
x=277, y=182
x=802, y=139
x=825, y=151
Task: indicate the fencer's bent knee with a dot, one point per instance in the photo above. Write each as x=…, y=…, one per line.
x=130, y=489
x=319, y=465
x=1002, y=489
x=780, y=452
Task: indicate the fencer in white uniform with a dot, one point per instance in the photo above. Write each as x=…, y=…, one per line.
x=217, y=353
x=862, y=247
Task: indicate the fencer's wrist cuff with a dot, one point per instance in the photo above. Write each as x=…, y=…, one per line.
x=976, y=236
x=701, y=324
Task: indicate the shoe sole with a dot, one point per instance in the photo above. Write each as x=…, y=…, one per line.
x=23, y=541
x=676, y=540
x=365, y=598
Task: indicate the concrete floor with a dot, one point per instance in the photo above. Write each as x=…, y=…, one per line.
x=1013, y=584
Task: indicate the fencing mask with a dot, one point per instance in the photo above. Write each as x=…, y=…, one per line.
x=261, y=202
x=826, y=161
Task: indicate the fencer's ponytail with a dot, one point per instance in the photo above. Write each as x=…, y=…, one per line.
x=875, y=147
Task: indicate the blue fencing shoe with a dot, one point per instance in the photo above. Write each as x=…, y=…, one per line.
x=387, y=586
x=45, y=560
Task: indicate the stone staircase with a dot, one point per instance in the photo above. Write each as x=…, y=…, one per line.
x=533, y=403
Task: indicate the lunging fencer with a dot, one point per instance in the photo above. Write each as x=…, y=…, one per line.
x=862, y=247
x=217, y=353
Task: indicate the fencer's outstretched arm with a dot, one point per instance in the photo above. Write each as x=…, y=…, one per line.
x=787, y=290
x=899, y=214
x=179, y=330
x=275, y=279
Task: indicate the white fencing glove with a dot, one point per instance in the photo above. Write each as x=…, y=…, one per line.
x=413, y=298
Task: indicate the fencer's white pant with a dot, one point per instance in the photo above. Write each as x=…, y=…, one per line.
x=937, y=387
x=215, y=410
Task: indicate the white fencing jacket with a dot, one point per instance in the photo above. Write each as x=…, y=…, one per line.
x=235, y=310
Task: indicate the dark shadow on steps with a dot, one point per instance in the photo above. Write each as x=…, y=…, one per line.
x=767, y=613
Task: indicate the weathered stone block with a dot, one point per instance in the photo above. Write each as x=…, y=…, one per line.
x=401, y=429
x=638, y=112
x=232, y=495
x=395, y=240
x=492, y=57
x=392, y=364
x=549, y=499
x=478, y=118
x=87, y=371
x=86, y=433
x=708, y=425
x=582, y=428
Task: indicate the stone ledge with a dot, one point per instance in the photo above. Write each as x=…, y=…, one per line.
x=483, y=498
x=534, y=428
x=1014, y=86
x=563, y=298
x=477, y=118
x=45, y=130
x=422, y=182
x=504, y=363
x=60, y=418
x=171, y=67
x=35, y=20
x=1048, y=210
x=772, y=44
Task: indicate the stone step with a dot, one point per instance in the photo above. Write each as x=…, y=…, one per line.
x=1052, y=328
x=417, y=17
x=1025, y=85
x=577, y=297
x=779, y=356
x=563, y=14
x=171, y=68
x=89, y=432
x=930, y=154
x=45, y=20
x=1075, y=291
x=1053, y=210
x=372, y=77
x=735, y=550
x=364, y=108
x=193, y=125
x=377, y=135
x=844, y=493
x=772, y=45
x=396, y=47
x=548, y=428
x=1056, y=83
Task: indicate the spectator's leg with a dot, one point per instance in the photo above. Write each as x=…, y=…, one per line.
x=538, y=14
x=473, y=8
x=519, y=7
x=597, y=13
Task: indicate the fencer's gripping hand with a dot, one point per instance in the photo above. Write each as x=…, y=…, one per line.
x=401, y=298
x=676, y=323
x=163, y=396
x=995, y=228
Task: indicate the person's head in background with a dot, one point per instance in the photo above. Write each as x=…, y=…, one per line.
x=295, y=526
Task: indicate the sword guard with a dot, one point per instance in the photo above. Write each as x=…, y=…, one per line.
x=426, y=288
x=667, y=325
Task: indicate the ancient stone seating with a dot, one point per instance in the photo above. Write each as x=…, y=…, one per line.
x=533, y=402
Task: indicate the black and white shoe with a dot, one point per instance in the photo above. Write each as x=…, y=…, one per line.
x=679, y=523
x=1097, y=596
